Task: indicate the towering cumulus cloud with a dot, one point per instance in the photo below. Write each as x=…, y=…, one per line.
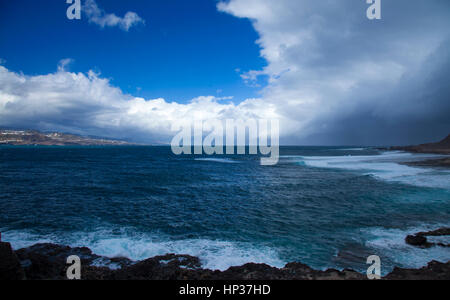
x=341, y=78
x=88, y=104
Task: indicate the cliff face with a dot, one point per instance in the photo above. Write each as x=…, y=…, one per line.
x=29, y=137
x=442, y=147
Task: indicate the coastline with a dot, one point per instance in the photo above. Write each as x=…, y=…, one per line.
x=441, y=163
x=36, y=138
x=440, y=148
x=48, y=262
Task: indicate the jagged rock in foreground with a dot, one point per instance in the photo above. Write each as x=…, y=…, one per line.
x=48, y=261
x=418, y=241
x=10, y=268
x=434, y=271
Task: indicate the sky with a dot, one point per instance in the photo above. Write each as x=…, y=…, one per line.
x=132, y=69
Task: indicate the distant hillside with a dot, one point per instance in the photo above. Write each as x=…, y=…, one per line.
x=442, y=147
x=32, y=137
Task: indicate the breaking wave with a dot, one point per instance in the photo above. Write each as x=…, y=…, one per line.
x=387, y=166
x=214, y=254
x=390, y=243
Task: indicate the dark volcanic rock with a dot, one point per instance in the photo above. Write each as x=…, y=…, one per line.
x=438, y=232
x=434, y=271
x=420, y=240
x=416, y=240
x=168, y=267
x=250, y=272
x=10, y=268
x=48, y=261
x=303, y=272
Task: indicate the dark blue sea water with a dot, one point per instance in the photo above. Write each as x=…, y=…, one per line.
x=326, y=207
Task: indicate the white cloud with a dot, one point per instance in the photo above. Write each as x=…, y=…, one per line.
x=100, y=17
x=63, y=63
x=88, y=104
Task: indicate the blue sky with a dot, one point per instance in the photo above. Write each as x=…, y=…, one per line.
x=184, y=49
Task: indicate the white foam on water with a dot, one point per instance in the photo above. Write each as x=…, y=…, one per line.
x=23, y=239
x=391, y=243
x=351, y=149
x=219, y=160
x=105, y=262
x=385, y=166
x=214, y=254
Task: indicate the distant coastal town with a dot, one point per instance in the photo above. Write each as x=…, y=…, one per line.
x=33, y=137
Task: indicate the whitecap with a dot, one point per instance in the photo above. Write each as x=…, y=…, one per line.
x=386, y=166
x=351, y=149
x=218, y=160
x=390, y=243
x=213, y=254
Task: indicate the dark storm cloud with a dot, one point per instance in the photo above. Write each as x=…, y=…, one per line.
x=416, y=111
x=348, y=80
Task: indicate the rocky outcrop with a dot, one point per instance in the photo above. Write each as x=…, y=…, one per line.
x=442, y=147
x=438, y=232
x=10, y=268
x=434, y=271
x=420, y=239
x=48, y=261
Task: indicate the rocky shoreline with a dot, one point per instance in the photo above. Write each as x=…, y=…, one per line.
x=442, y=147
x=420, y=239
x=441, y=163
x=48, y=262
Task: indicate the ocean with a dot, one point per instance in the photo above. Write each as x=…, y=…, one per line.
x=327, y=207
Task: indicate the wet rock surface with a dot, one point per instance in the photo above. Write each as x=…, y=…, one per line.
x=420, y=238
x=10, y=268
x=434, y=271
x=48, y=262
x=418, y=241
